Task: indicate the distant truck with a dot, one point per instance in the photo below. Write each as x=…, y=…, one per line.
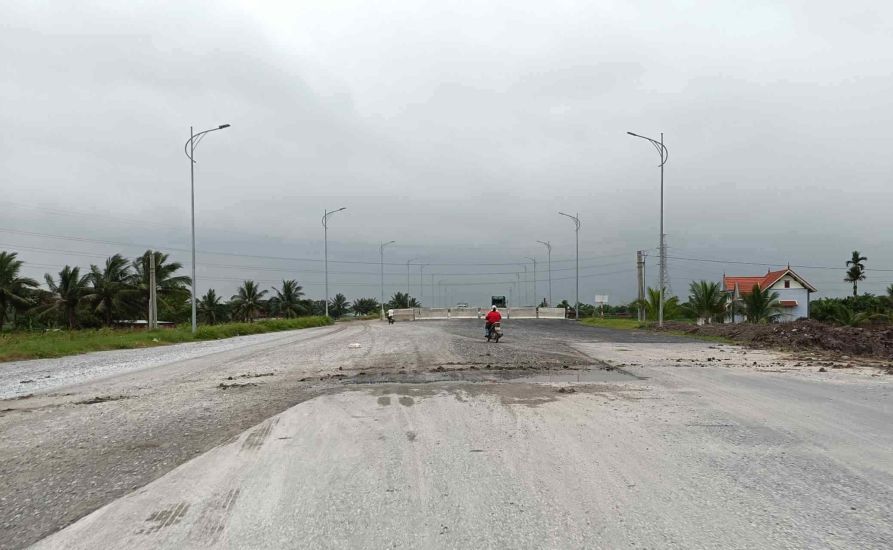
x=498, y=301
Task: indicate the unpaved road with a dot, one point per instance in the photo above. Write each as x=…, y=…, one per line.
x=425, y=436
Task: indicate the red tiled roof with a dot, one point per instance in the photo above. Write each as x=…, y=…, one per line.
x=746, y=284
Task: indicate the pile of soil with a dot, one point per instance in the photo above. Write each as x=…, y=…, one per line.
x=804, y=335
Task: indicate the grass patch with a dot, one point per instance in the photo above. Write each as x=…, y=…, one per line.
x=39, y=345
x=623, y=324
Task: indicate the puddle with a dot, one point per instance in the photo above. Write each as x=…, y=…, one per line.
x=584, y=375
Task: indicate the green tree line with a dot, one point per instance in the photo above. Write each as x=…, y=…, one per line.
x=118, y=290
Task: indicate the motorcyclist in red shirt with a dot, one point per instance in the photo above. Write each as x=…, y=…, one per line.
x=493, y=316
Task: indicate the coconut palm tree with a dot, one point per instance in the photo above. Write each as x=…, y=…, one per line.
x=761, y=306
x=652, y=305
x=339, y=306
x=402, y=300
x=856, y=271
x=67, y=293
x=171, y=288
x=364, y=306
x=287, y=302
x=248, y=301
x=210, y=308
x=707, y=301
x=14, y=290
x=111, y=288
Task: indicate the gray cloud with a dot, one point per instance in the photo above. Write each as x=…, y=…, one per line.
x=457, y=130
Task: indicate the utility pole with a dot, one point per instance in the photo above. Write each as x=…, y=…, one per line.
x=189, y=149
x=577, y=235
x=381, y=254
x=325, y=229
x=153, y=289
x=664, y=156
x=640, y=283
x=548, y=246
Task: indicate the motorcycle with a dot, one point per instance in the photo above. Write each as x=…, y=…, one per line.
x=495, y=332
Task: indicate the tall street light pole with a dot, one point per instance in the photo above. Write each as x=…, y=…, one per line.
x=548, y=246
x=664, y=155
x=189, y=149
x=534, y=280
x=422, y=284
x=408, y=285
x=381, y=254
x=577, y=234
x=325, y=229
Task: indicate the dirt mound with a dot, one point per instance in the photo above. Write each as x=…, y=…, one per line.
x=802, y=336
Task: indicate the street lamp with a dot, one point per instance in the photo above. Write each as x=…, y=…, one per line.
x=534, y=279
x=408, y=285
x=548, y=246
x=525, y=285
x=189, y=149
x=422, y=284
x=381, y=254
x=577, y=233
x=325, y=229
x=664, y=155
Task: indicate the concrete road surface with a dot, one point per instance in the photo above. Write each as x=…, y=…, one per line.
x=427, y=437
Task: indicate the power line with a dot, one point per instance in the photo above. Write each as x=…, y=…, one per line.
x=767, y=264
x=284, y=258
x=66, y=252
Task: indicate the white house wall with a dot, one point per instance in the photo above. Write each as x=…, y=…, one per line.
x=800, y=294
x=779, y=284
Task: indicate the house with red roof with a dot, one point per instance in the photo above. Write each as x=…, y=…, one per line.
x=793, y=292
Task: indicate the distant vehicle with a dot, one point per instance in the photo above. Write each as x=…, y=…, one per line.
x=498, y=301
x=461, y=305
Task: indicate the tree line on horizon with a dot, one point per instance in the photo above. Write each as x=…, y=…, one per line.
x=118, y=290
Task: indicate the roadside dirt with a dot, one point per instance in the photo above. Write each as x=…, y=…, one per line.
x=807, y=335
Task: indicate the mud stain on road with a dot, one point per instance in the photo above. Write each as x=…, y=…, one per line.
x=384, y=400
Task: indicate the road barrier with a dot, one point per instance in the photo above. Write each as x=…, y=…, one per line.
x=551, y=313
x=424, y=313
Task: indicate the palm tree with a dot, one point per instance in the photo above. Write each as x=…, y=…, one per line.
x=856, y=271
x=67, y=293
x=287, y=301
x=339, y=306
x=171, y=288
x=652, y=305
x=402, y=300
x=364, y=306
x=210, y=308
x=761, y=306
x=844, y=315
x=14, y=290
x=248, y=300
x=707, y=300
x=111, y=287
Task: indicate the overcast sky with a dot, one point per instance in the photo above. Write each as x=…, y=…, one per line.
x=458, y=129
